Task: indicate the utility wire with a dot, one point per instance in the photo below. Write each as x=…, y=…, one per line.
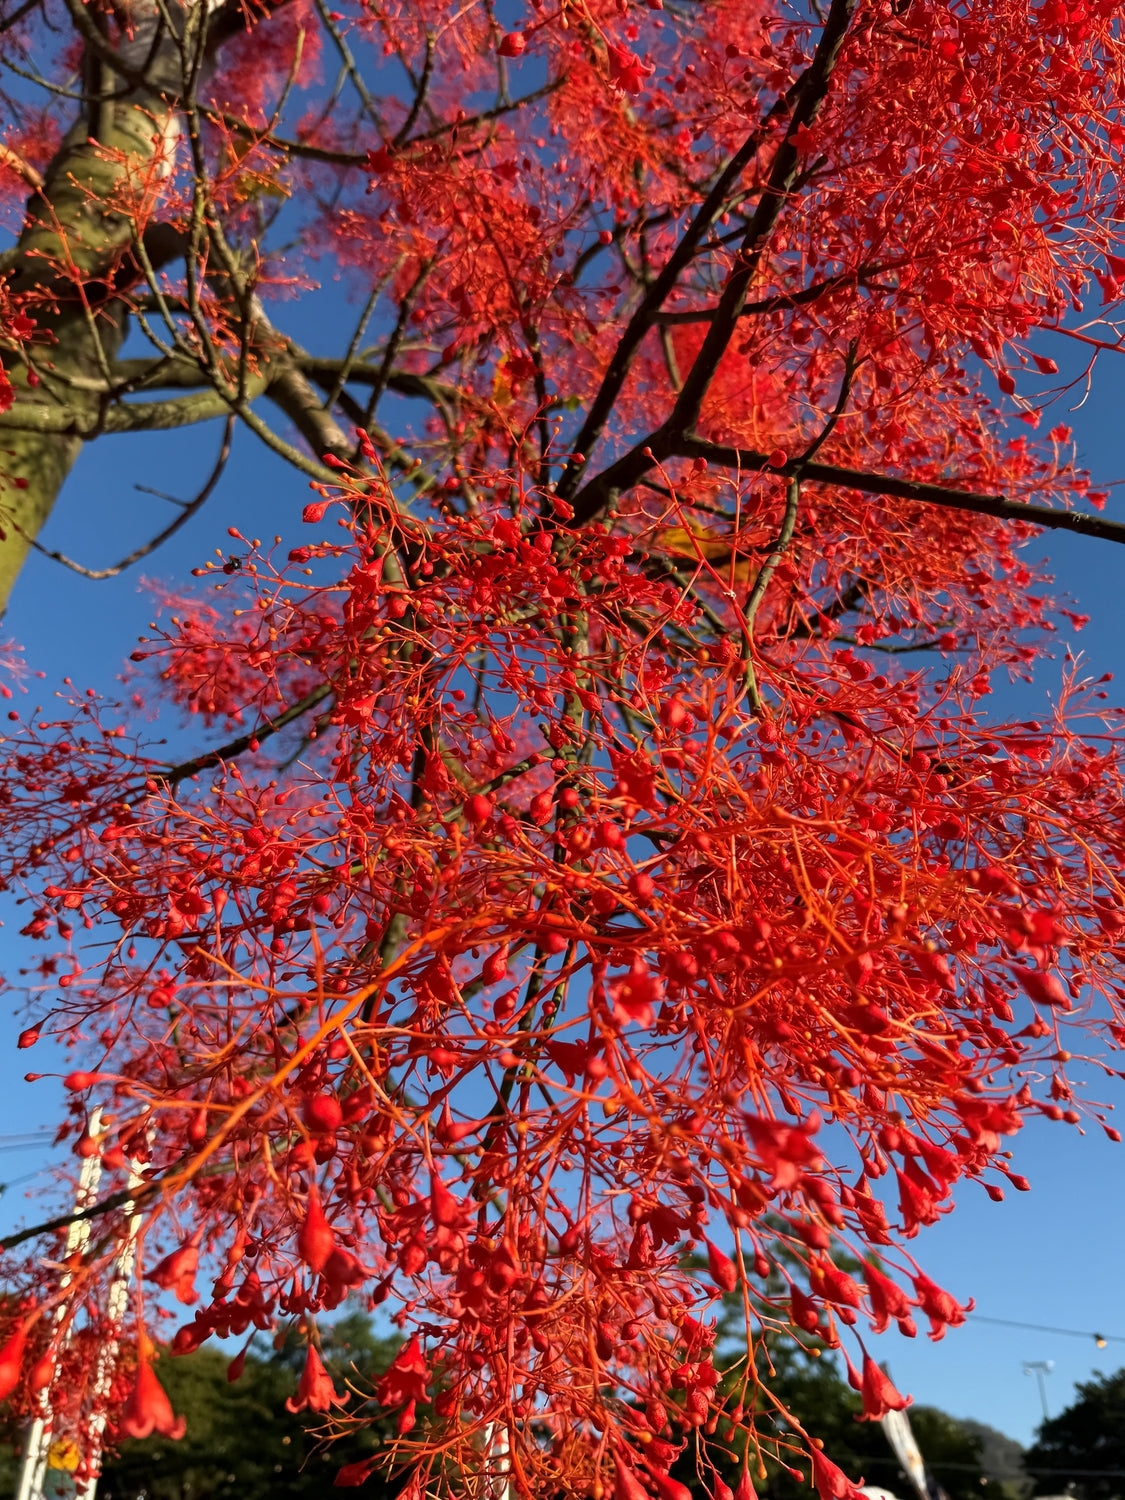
x=27, y=1177
x=940, y=1463
x=1100, y=1339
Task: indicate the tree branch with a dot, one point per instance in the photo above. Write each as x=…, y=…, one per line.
x=804, y=100
x=140, y=416
x=188, y=768
x=64, y=1221
x=811, y=92
x=188, y=509
x=778, y=303
x=657, y=294
x=952, y=498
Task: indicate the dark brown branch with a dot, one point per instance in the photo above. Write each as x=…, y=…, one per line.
x=804, y=100
x=282, y=143
x=18, y=14
x=952, y=498
x=382, y=374
x=783, y=182
x=778, y=303
x=657, y=294
x=188, y=768
x=488, y=114
x=119, y=1199
x=420, y=93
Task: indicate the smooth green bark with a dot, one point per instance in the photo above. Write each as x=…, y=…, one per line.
x=74, y=260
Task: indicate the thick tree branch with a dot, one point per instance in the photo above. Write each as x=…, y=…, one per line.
x=644, y=317
x=952, y=498
x=783, y=179
x=78, y=251
x=139, y=416
x=805, y=99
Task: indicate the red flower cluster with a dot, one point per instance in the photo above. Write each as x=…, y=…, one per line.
x=614, y=891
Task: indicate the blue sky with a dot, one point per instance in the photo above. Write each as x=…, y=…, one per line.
x=1051, y=1256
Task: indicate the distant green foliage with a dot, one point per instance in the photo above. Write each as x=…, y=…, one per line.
x=817, y=1395
x=242, y=1443
x=1089, y=1435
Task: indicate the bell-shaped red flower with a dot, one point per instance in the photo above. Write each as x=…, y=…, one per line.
x=176, y=1272
x=11, y=1360
x=406, y=1378
x=831, y=1482
x=316, y=1391
x=148, y=1409
x=879, y=1394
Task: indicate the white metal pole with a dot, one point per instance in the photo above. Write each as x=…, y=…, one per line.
x=34, y=1467
x=116, y=1303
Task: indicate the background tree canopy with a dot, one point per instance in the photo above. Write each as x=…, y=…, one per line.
x=244, y=1444
x=1082, y=1450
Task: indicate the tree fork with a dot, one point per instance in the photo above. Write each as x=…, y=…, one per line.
x=70, y=266
x=80, y=250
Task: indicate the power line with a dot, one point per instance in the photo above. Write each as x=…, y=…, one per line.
x=16, y=1181
x=941, y=1463
x=1101, y=1339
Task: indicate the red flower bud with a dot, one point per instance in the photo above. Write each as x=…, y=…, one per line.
x=42, y=1373
x=724, y=1272
x=323, y=1113
x=628, y=1486
x=478, y=808
x=315, y=1239
x=668, y=1488
x=1043, y=988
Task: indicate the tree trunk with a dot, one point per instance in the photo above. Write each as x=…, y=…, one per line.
x=74, y=263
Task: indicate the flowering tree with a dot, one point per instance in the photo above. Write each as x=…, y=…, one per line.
x=598, y=848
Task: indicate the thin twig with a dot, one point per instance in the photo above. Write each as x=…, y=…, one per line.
x=188, y=509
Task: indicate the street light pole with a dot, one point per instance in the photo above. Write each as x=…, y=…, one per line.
x=1040, y=1368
